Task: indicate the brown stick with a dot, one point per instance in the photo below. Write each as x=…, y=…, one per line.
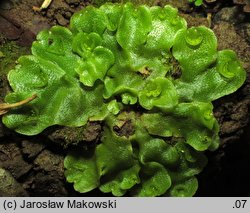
x=45, y=4
x=5, y=106
x=209, y=19
x=3, y=112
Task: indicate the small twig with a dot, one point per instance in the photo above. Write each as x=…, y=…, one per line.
x=209, y=19
x=2, y=112
x=44, y=5
x=5, y=106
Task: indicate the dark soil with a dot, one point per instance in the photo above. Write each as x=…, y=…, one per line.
x=33, y=166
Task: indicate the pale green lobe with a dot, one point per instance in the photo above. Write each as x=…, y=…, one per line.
x=128, y=98
x=111, y=108
x=157, y=150
x=134, y=26
x=95, y=66
x=83, y=43
x=158, y=124
x=166, y=24
x=55, y=45
x=159, y=93
x=81, y=171
x=112, y=167
x=130, y=83
x=193, y=37
x=89, y=20
x=224, y=78
x=107, y=162
x=113, y=14
x=155, y=181
x=197, y=45
x=60, y=98
x=122, y=181
x=201, y=129
x=120, y=171
x=186, y=188
x=198, y=125
x=229, y=67
x=191, y=163
x=96, y=59
x=199, y=112
x=196, y=2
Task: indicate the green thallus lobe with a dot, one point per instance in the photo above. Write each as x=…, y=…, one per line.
x=193, y=37
x=115, y=64
x=196, y=2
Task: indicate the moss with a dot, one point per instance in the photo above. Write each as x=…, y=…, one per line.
x=8, y=185
x=9, y=53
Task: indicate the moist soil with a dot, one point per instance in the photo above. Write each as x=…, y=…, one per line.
x=33, y=166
